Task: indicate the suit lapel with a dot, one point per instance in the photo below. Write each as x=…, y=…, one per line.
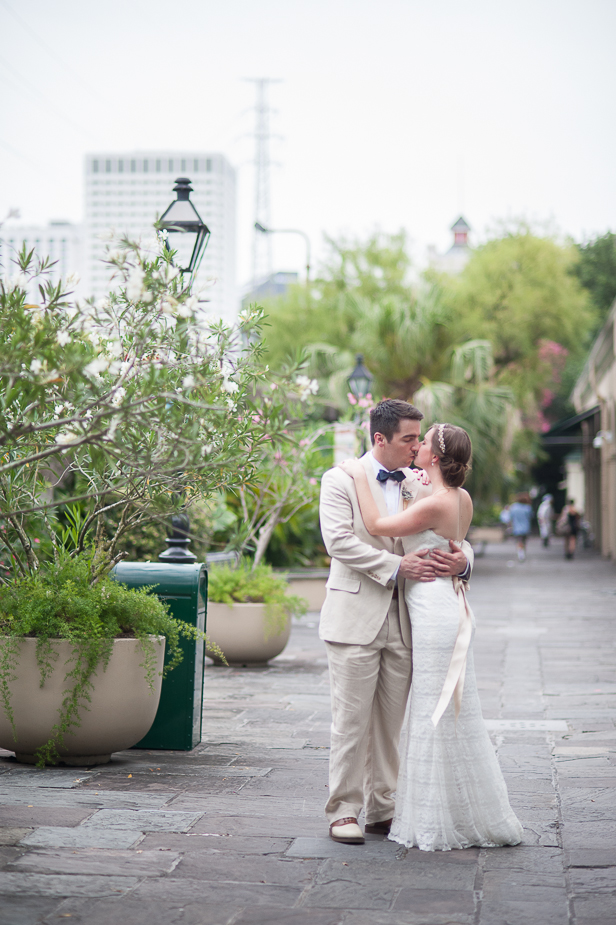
x=379, y=497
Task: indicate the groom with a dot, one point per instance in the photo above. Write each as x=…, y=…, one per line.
x=366, y=626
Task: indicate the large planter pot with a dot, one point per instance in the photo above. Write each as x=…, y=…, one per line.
x=311, y=584
x=241, y=632
x=121, y=710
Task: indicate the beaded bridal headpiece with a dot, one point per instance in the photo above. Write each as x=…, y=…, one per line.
x=441, y=437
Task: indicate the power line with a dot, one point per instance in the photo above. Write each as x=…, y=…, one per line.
x=44, y=102
x=75, y=75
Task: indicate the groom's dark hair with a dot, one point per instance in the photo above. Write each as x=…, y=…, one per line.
x=386, y=416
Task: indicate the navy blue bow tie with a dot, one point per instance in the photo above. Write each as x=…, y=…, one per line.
x=396, y=476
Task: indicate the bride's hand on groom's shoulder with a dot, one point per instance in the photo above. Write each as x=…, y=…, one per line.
x=351, y=466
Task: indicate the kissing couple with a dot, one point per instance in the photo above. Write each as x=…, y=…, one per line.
x=395, y=620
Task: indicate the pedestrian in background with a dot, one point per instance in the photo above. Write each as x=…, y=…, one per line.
x=505, y=519
x=569, y=527
x=521, y=514
x=545, y=517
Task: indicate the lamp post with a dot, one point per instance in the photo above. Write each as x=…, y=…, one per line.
x=183, y=229
x=263, y=230
x=359, y=383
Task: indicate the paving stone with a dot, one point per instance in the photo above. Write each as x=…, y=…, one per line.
x=81, y=837
x=143, y=820
x=342, y=894
x=20, y=909
x=597, y=834
x=110, y=862
x=510, y=885
x=516, y=912
x=230, y=891
x=11, y=836
x=270, y=915
x=595, y=907
x=46, y=777
x=236, y=844
x=593, y=880
x=422, y=870
x=59, y=885
x=22, y=816
x=435, y=902
x=252, y=868
x=46, y=796
x=255, y=805
x=123, y=908
x=327, y=848
x=525, y=857
x=591, y=857
x=280, y=826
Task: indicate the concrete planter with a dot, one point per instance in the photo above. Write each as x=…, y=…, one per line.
x=309, y=583
x=241, y=632
x=121, y=710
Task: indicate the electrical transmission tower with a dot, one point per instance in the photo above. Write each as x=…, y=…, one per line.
x=262, y=243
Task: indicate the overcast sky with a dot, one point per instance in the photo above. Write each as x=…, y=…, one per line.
x=393, y=113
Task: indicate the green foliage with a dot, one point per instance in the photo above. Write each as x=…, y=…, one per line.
x=519, y=291
x=59, y=601
x=260, y=585
x=596, y=271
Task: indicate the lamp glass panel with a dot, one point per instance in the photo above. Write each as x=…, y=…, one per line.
x=184, y=243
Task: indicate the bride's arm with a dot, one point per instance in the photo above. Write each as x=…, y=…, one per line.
x=418, y=517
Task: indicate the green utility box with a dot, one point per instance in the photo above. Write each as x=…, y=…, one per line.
x=177, y=724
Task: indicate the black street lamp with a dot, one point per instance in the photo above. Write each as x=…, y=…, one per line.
x=183, y=229
x=360, y=379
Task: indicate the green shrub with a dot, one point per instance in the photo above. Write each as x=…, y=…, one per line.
x=244, y=585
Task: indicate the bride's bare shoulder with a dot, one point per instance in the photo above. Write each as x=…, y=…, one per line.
x=465, y=499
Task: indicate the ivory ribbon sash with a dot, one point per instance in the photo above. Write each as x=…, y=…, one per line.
x=454, y=682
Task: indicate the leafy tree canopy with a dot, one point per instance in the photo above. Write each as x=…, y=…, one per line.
x=596, y=270
x=519, y=292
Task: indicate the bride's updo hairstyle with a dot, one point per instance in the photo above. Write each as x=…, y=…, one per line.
x=453, y=447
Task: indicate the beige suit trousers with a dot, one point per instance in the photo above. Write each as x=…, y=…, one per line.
x=369, y=687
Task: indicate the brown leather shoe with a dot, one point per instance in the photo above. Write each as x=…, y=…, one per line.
x=346, y=831
x=379, y=828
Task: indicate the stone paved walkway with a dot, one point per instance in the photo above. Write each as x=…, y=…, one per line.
x=233, y=833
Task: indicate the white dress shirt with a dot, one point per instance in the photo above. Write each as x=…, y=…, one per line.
x=391, y=490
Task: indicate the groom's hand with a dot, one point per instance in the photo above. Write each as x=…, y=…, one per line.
x=449, y=563
x=418, y=566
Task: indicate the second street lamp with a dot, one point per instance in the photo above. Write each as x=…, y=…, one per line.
x=183, y=229
x=360, y=379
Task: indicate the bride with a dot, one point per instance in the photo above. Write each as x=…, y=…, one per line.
x=450, y=792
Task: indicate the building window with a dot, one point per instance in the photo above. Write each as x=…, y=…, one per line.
x=196, y=165
x=208, y=165
x=133, y=166
x=146, y=166
x=108, y=166
x=94, y=166
x=170, y=167
x=120, y=166
x=159, y=165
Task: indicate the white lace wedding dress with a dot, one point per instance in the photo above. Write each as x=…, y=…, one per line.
x=451, y=792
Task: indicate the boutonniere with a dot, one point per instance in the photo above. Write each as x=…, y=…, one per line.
x=407, y=494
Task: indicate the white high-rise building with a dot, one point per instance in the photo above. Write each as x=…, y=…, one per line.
x=61, y=242
x=129, y=191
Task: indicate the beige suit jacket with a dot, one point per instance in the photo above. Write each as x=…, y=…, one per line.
x=360, y=586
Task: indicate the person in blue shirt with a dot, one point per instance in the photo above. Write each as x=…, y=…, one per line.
x=521, y=514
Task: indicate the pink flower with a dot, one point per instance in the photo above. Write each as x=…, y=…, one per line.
x=351, y=398
x=313, y=481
